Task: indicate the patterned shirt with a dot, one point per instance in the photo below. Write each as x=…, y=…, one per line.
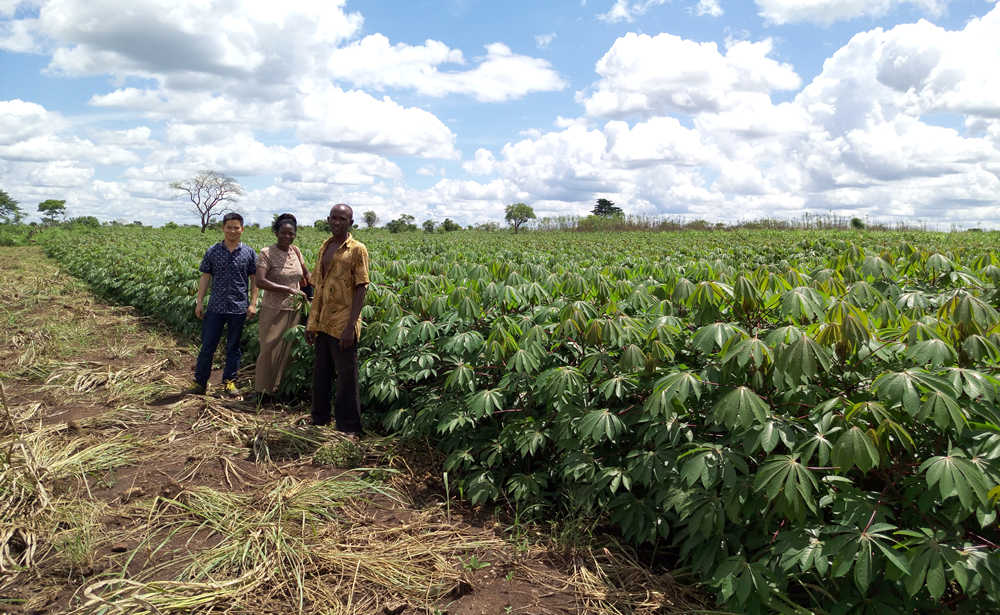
x=331, y=305
x=229, y=271
x=284, y=268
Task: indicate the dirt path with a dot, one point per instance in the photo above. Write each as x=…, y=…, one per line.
x=120, y=495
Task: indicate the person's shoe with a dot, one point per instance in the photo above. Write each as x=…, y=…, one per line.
x=229, y=389
x=196, y=388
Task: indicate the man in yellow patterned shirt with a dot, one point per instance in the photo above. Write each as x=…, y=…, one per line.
x=341, y=281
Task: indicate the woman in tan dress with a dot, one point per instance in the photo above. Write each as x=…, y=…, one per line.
x=280, y=268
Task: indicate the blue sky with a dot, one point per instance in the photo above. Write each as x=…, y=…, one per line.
x=885, y=109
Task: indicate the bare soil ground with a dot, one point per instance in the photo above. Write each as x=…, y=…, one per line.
x=117, y=494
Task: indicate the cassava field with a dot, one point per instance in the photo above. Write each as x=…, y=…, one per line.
x=798, y=422
x=120, y=496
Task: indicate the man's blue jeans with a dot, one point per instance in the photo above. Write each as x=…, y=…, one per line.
x=211, y=333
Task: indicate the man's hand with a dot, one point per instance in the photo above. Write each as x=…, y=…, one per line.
x=251, y=311
x=310, y=337
x=347, y=338
x=199, y=310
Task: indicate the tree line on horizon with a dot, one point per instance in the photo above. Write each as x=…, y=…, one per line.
x=212, y=194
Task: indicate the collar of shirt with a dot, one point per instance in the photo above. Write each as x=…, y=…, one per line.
x=348, y=243
x=239, y=248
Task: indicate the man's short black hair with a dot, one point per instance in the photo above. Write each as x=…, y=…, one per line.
x=282, y=220
x=232, y=216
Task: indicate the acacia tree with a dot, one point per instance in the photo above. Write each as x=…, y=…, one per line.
x=52, y=210
x=607, y=209
x=209, y=193
x=371, y=218
x=517, y=214
x=10, y=213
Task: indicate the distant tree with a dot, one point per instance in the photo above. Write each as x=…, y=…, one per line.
x=517, y=214
x=10, y=213
x=487, y=226
x=136, y=223
x=403, y=223
x=857, y=223
x=209, y=193
x=607, y=209
x=428, y=226
x=450, y=225
x=371, y=218
x=52, y=210
x=90, y=221
x=171, y=224
x=322, y=225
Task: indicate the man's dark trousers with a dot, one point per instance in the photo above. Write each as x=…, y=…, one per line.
x=347, y=407
x=211, y=333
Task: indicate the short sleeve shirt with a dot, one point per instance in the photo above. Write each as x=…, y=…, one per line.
x=284, y=268
x=230, y=272
x=331, y=306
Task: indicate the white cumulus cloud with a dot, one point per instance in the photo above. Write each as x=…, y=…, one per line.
x=357, y=120
x=623, y=10
x=498, y=76
x=257, y=41
x=660, y=74
x=709, y=7
x=542, y=41
x=826, y=12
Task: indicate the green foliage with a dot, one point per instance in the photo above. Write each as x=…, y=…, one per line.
x=10, y=212
x=15, y=234
x=806, y=421
x=52, y=210
x=370, y=218
x=89, y=221
x=607, y=209
x=517, y=214
x=403, y=223
x=340, y=452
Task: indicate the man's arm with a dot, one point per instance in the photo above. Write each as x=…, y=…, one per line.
x=357, y=302
x=314, y=311
x=203, y=282
x=316, y=308
x=254, y=291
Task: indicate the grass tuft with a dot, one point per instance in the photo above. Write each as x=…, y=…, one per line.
x=281, y=442
x=340, y=453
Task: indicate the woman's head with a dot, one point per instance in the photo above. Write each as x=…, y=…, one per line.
x=285, y=228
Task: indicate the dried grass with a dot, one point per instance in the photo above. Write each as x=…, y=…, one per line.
x=613, y=582
x=136, y=384
x=33, y=461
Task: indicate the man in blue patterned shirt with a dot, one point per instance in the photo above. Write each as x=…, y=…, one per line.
x=227, y=265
